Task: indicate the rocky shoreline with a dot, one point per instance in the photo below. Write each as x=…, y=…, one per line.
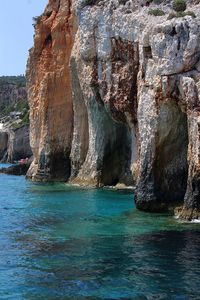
x=114, y=95
x=18, y=169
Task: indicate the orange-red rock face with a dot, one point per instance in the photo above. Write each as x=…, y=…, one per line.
x=50, y=94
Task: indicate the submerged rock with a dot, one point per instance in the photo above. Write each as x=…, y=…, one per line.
x=114, y=94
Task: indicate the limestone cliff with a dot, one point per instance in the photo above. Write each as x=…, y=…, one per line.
x=14, y=127
x=14, y=143
x=12, y=90
x=50, y=94
x=18, y=146
x=114, y=90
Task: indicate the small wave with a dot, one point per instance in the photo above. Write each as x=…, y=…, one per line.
x=176, y=217
x=195, y=221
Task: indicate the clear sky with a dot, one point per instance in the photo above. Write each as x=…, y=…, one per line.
x=16, y=33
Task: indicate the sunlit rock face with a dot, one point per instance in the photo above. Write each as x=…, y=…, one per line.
x=50, y=93
x=168, y=105
x=114, y=93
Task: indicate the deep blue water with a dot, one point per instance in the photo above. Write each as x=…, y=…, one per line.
x=61, y=242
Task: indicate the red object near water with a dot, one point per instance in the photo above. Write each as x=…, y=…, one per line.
x=23, y=161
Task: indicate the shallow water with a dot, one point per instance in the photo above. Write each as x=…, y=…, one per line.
x=61, y=242
x=5, y=165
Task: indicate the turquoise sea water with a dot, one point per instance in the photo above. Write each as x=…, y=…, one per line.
x=61, y=242
x=5, y=165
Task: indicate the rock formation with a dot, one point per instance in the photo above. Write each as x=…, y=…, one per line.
x=14, y=144
x=14, y=131
x=3, y=144
x=16, y=169
x=50, y=94
x=11, y=93
x=114, y=90
x=18, y=144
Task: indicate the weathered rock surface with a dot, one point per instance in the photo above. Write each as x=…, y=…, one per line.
x=14, y=133
x=19, y=144
x=50, y=94
x=11, y=93
x=3, y=144
x=16, y=169
x=14, y=144
x=114, y=90
x=14, y=130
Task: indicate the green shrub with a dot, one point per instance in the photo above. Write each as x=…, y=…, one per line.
x=181, y=14
x=25, y=119
x=156, y=12
x=6, y=110
x=190, y=13
x=16, y=125
x=20, y=80
x=21, y=105
x=37, y=19
x=179, y=5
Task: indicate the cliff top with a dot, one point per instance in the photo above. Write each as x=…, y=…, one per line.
x=167, y=9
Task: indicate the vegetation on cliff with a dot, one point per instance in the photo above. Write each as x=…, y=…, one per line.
x=14, y=108
x=14, y=119
x=20, y=80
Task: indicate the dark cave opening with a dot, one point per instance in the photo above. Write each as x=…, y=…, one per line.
x=54, y=166
x=171, y=165
x=60, y=165
x=116, y=163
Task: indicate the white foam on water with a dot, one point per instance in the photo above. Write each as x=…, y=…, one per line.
x=195, y=221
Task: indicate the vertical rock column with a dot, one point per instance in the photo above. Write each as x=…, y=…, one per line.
x=147, y=124
x=163, y=133
x=50, y=94
x=168, y=117
x=190, y=91
x=81, y=131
